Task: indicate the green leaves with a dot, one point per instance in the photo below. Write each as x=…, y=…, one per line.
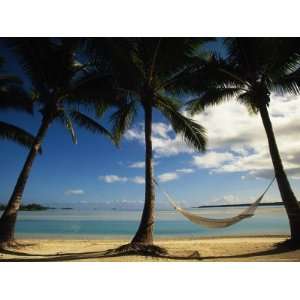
x=12, y=94
x=16, y=134
x=14, y=97
x=68, y=123
x=212, y=96
x=88, y=123
x=92, y=88
x=48, y=62
x=122, y=119
x=192, y=133
x=251, y=71
x=73, y=116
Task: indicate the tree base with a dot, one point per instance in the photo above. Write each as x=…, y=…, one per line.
x=138, y=249
x=148, y=250
x=9, y=244
x=289, y=244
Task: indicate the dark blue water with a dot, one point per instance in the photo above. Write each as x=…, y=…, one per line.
x=95, y=224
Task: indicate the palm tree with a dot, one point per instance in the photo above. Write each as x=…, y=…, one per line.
x=143, y=68
x=251, y=71
x=61, y=85
x=13, y=96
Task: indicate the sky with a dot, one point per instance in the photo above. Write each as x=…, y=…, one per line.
x=235, y=169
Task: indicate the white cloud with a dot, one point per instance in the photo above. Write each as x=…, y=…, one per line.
x=227, y=199
x=237, y=141
x=74, y=192
x=164, y=141
x=138, y=180
x=185, y=171
x=169, y=176
x=140, y=164
x=137, y=165
x=113, y=178
x=212, y=159
x=116, y=178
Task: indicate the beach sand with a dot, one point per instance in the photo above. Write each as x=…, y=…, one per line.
x=254, y=248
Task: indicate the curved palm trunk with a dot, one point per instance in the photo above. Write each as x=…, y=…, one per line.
x=290, y=201
x=9, y=216
x=144, y=234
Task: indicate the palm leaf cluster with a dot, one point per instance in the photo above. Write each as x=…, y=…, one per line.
x=63, y=87
x=143, y=70
x=253, y=68
x=14, y=97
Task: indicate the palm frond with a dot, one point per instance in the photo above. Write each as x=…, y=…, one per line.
x=285, y=56
x=250, y=101
x=88, y=123
x=67, y=122
x=212, y=96
x=123, y=118
x=17, y=135
x=192, y=133
x=166, y=64
x=206, y=74
x=15, y=97
x=48, y=62
x=289, y=83
x=93, y=89
x=118, y=55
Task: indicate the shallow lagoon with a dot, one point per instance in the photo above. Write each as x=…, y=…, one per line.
x=106, y=224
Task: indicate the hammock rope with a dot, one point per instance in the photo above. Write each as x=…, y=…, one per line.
x=211, y=222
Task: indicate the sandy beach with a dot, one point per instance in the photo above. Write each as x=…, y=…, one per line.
x=246, y=248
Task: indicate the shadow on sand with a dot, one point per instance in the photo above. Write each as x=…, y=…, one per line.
x=194, y=256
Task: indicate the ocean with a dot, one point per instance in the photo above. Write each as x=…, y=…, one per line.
x=95, y=224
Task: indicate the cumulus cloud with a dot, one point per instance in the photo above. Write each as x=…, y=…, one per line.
x=137, y=165
x=74, y=192
x=113, y=178
x=138, y=180
x=164, y=177
x=140, y=164
x=237, y=141
x=164, y=141
x=116, y=178
x=212, y=159
x=169, y=176
x=185, y=171
x=227, y=199
x=235, y=199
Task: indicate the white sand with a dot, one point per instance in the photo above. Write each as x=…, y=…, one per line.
x=254, y=248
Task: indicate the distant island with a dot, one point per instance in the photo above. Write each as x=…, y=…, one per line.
x=239, y=205
x=31, y=207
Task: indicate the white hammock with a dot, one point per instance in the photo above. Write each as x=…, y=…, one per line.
x=217, y=223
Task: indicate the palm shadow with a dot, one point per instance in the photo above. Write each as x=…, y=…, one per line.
x=194, y=256
x=276, y=250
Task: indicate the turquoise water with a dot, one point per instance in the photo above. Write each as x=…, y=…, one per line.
x=101, y=224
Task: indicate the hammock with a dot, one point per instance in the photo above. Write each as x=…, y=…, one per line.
x=217, y=223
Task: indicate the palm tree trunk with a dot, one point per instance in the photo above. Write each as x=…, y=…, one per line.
x=9, y=216
x=144, y=234
x=289, y=200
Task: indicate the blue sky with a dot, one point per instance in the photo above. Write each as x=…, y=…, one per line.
x=236, y=167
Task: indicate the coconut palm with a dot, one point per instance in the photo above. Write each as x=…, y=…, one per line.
x=143, y=68
x=14, y=97
x=251, y=71
x=60, y=85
